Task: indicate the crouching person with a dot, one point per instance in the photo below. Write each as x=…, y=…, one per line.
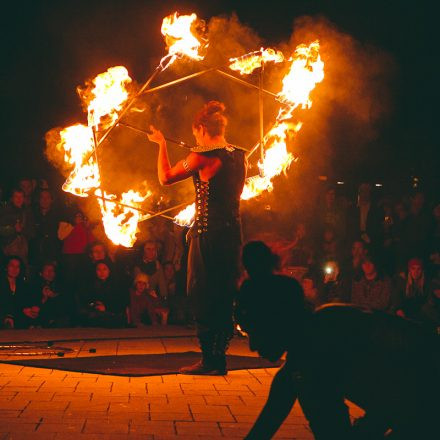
x=385, y=364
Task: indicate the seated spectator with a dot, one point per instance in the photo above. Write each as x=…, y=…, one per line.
x=412, y=290
x=177, y=301
x=47, y=294
x=96, y=252
x=12, y=288
x=311, y=296
x=429, y=312
x=327, y=247
x=297, y=252
x=104, y=302
x=434, y=248
x=16, y=226
x=45, y=245
x=333, y=288
x=373, y=290
x=145, y=306
x=150, y=265
x=352, y=267
x=27, y=185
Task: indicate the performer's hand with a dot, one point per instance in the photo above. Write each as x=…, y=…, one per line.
x=156, y=135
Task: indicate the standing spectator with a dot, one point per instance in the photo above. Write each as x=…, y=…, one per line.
x=434, y=248
x=165, y=239
x=16, y=226
x=311, y=295
x=373, y=290
x=412, y=290
x=366, y=219
x=76, y=239
x=331, y=215
x=45, y=245
x=104, y=303
x=12, y=288
x=400, y=219
x=145, y=305
x=150, y=265
x=419, y=227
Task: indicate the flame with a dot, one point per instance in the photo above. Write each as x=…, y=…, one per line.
x=246, y=64
x=120, y=217
x=306, y=70
x=186, y=216
x=107, y=96
x=181, y=39
x=77, y=143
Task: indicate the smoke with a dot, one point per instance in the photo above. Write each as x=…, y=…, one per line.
x=351, y=103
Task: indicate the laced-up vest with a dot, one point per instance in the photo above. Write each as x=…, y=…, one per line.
x=218, y=200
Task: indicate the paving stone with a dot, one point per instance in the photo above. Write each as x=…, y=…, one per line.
x=198, y=428
x=155, y=427
x=105, y=426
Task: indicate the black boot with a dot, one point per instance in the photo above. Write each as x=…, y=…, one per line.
x=221, y=344
x=208, y=365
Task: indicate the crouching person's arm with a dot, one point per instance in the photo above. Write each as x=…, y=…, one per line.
x=281, y=398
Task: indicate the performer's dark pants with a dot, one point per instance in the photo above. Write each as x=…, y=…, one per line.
x=213, y=269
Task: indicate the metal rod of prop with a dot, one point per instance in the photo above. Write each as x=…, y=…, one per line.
x=144, y=211
x=95, y=146
x=141, y=130
x=167, y=210
x=252, y=150
x=261, y=111
x=178, y=81
x=246, y=83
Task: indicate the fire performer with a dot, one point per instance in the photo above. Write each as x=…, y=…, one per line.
x=218, y=170
x=388, y=366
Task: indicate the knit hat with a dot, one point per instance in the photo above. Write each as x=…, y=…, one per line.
x=415, y=262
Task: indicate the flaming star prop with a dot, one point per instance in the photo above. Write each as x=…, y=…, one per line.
x=107, y=99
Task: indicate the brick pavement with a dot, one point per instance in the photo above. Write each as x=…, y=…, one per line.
x=47, y=404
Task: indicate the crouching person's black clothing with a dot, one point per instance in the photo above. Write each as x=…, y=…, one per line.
x=388, y=366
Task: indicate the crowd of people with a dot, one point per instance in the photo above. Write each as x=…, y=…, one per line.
x=59, y=269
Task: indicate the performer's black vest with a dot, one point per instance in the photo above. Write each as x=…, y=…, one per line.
x=218, y=200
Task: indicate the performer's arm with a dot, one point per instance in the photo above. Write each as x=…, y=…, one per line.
x=182, y=170
x=281, y=398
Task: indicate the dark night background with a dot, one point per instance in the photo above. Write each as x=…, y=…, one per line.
x=50, y=47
